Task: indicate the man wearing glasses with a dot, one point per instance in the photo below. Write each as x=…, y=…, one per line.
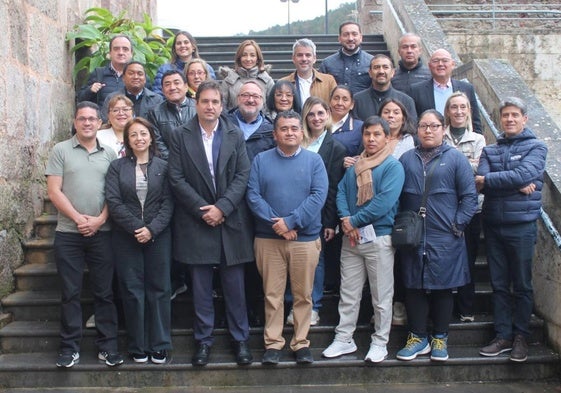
x=433, y=93
x=76, y=185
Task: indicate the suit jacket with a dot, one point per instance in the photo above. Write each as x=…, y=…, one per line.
x=322, y=85
x=195, y=242
x=423, y=95
x=332, y=153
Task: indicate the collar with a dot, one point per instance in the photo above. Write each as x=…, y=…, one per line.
x=240, y=117
x=283, y=154
x=444, y=86
x=203, y=132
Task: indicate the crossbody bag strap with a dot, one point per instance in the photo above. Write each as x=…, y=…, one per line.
x=423, y=208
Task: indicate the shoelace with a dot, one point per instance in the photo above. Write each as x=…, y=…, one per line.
x=412, y=341
x=438, y=343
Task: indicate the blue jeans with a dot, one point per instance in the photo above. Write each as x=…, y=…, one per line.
x=510, y=249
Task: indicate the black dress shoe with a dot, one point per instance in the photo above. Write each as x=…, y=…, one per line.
x=271, y=356
x=243, y=355
x=304, y=356
x=201, y=357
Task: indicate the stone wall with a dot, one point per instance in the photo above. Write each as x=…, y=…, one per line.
x=36, y=106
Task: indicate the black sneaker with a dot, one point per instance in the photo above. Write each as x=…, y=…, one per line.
x=496, y=347
x=159, y=357
x=139, y=357
x=111, y=359
x=68, y=359
x=519, y=351
x=178, y=289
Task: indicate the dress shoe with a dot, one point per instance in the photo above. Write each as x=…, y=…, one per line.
x=271, y=356
x=304, y=356
x=201, y=357
x=243, y=355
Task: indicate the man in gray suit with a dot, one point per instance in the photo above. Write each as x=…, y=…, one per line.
x=209, y=171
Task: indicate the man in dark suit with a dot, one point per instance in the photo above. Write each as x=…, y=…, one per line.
x=209, y=171
x=433, y=93
x=368, y=102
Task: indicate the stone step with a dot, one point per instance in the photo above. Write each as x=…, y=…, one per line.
x=43, y=336
x=264, y=40
x=465, y=364
x=39, y=251
x=45, y=225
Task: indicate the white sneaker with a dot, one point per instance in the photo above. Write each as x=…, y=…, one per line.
x=399, y=315
x=315, y=318
x=338, y=348
x=376, y=354
x=290, y=318
x=90, y=323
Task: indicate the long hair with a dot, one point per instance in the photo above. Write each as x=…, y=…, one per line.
x=308, y=104
x=191, y=39
x=469, y=126
x=239, y=53
x=407, y=127
x=277, y=86
x=152, y=149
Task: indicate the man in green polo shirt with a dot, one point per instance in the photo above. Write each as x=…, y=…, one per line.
x=76, y=186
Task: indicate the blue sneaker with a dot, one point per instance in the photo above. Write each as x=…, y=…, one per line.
x=415, y=345
x=439, y=347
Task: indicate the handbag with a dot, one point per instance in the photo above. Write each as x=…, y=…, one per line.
x=408, y=225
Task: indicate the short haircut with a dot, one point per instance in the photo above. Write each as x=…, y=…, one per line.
x=406, y=35
x=349, y=22
x=87, y=104
x=342, y=87
x=516, y=102
x=132, y=63
x=173, y=72
x=381, y=56
x=252, y=82
x=279, y=85
x=305, y=42
x=139, y=120
x=120, y=36
x=287, y=115
x=209, y=84
x=374, y=121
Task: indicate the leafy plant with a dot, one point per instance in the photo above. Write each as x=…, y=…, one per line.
x=92, y=37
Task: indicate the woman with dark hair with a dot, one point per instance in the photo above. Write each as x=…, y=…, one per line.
x=248, y=64
x=367, y=201
x=282, y=97
x=183, y=50
x=439, y=264
x=401, y=129
x=345, y=128
x=141, y=205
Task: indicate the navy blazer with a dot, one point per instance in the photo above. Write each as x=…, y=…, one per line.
x=423, y=95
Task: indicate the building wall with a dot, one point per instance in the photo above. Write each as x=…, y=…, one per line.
x=36, y=106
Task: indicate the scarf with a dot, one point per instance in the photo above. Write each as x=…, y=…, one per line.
x=363, y=170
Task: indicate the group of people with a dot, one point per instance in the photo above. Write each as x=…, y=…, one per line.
x=281, y=190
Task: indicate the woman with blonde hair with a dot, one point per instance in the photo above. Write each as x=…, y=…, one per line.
x=248, y=64
x=196, y=72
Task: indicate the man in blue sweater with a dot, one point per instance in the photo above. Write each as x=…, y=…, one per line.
x=286, y=192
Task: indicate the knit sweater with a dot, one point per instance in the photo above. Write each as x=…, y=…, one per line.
x=294, y=188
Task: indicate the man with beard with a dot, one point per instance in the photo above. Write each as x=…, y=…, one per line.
x=349, y=65
x=367, y=102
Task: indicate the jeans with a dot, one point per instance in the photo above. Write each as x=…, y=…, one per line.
x=72, y=253
x=510, y=249
x=466, y=294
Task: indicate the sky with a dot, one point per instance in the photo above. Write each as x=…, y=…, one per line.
x=230, y=17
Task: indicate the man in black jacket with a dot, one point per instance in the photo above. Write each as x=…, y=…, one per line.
x=410, y=68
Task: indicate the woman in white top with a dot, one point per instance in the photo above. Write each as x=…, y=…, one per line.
x=118, y=115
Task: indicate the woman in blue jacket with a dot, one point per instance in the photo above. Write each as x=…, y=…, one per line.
x=432, y=270
x=140, y=204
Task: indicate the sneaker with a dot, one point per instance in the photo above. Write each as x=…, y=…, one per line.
x=467, y=318
x=139, y=357
x=159, y=357
x=315, y=318
x=376, y=353
x=290, y=318
x=439, y=347
x=111, y=359
x=181, y=288
x=415, y=346
x=519, y=351
x=90, y=323
x=67, y=359
x=399, y=314
x=339, y=348
x=496, y=347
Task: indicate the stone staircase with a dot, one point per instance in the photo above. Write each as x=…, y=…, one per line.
x=30, y=320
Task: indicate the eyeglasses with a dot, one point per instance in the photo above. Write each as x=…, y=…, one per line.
x=443, y=61
x=87, y=119
x=285, y=95
x=116, y=111
x=433, y=126
x=247, y=96
x=196, y=73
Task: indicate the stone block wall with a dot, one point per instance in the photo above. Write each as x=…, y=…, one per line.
x=36, y=107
